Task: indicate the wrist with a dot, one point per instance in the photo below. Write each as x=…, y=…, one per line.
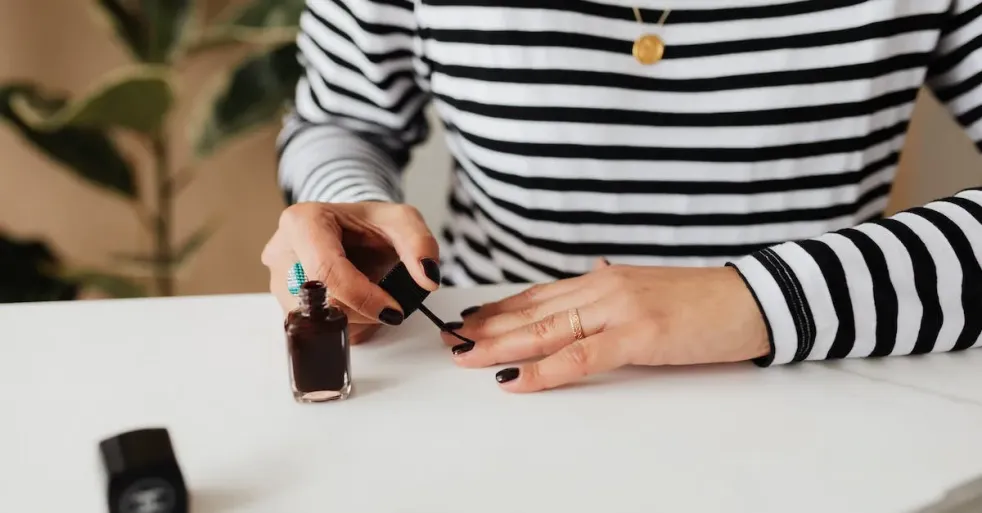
x=755, y=339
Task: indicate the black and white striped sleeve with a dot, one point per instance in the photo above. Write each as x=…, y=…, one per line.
x=359, y=109
x=907, y=284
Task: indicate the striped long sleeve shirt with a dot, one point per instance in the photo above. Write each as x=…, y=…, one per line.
x=767, y=139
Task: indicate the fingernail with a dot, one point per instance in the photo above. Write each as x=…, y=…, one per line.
x=506, y=375
x=453, y=326
x=605, y=260
x=469, y=311
x=432, y=269
x=390, y=316
x=462, y=348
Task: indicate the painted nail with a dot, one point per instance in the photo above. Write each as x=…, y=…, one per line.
x=605, y=260
x=432, y=269
x=390, y=316
x=453, y=326
x=506, y=375
x=469, y=311
x=462, y=348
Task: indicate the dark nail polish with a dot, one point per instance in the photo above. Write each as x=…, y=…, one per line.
x=453, y=326
x=462, y=348
x=317, y=340
x=469, y=311
x=390, y=316
x=506, y=375
x=432, y=269
x=605, y=260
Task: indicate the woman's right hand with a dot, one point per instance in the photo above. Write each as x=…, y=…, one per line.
x=349, y=247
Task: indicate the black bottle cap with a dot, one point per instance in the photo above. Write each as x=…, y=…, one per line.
x=142, y=473
x=403, y=288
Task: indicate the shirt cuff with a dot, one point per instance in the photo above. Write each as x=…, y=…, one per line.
x=782, y=303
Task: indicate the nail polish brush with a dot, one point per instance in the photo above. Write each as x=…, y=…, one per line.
x=399, y=284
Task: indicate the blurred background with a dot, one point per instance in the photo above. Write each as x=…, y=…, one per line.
x=137, y=148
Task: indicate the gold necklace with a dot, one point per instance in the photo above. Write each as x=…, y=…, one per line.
x=649, y=48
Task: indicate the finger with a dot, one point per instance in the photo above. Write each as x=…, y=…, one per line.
x=317, y=243
x=540, y=338
x=493, y=325
x=602, y=352
x=535, y=294
x=360, y=333
x=600, y=263
x=415, y=244
x=277, y=285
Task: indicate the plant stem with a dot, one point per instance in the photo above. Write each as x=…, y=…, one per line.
x=163, y=252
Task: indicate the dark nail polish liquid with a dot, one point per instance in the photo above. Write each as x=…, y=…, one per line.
x=317, y=340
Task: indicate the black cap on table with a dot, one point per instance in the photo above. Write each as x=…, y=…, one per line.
x=142, y=473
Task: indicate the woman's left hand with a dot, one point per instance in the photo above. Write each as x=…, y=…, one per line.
x=628, y=315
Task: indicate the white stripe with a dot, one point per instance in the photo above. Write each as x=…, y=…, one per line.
x=900, y=268
x=514, y=57
x=949, y=282
x=774, y=307
x=817, y=293
x=860, y=292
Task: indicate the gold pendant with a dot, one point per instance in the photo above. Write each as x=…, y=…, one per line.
x=648, y=49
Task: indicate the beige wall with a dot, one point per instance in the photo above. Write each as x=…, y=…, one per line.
x=39, y=199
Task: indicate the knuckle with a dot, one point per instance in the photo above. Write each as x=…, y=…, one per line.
x=531, y=293
x=528, y=313
x=542, y=329
x=364, y=301
x=578, y=357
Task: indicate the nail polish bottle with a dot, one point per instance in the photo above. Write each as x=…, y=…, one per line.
x=318, y=345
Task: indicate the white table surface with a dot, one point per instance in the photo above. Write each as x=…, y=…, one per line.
x=421, y=435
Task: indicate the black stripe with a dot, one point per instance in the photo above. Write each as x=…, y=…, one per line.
x=654, y=220
x=755, y=118
x=960, y=20
x=378, y=29
x=862, y=71
x=514, y=278
x=925, y=283
x=884, y=293
x=728, y=155
x=477, y=278
x=460, y=209
x=521, y=38
x=387, y=82
x=951, y=92
x=971, y=117
x=835, y=280
x=624, y=249
x=654, y=186
x=971, y=275
x=948, y=61
x=765, y=258
x=676, y=17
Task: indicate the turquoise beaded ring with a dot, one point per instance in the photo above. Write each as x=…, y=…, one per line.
x=295, y=278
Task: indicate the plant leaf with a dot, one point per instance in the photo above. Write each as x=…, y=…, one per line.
x=167, y=21
x=28, y=272
x=114, y=285
x=150, y=29
x=258, y=23
x=137, y=98
x=184, y=251
x=127, y=25
x=192, y=244
x=88, y=152
x=254, y=94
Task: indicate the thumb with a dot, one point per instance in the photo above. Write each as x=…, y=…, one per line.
x=416, y=246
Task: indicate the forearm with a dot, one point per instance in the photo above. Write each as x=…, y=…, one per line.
x=908, y=284
x=332, y=164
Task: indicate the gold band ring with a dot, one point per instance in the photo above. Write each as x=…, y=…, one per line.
x=574, y=322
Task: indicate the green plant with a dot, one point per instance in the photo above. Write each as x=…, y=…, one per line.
x=161, y=36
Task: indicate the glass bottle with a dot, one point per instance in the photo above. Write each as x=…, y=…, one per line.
x=319, y=353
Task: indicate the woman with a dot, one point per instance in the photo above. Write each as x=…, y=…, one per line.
x=731, y=159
